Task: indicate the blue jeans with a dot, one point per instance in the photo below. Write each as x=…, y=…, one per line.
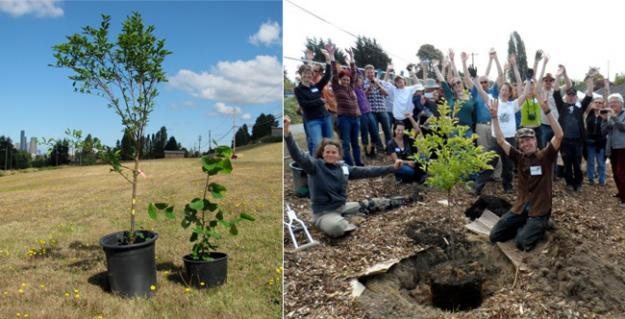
x=526, y=231
x=382, y=118
x=598, y=155
x=316, y=130
x=369, y=127
x=349, y=129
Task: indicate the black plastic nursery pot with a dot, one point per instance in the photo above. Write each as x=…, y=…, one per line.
x=205, y=274
x=131, y=268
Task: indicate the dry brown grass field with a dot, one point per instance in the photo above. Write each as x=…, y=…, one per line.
x=67, y=210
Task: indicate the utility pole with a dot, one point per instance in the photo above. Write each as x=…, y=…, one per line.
x=199, y=144
x=473, y=54
x=209, y=141
x=234, y=141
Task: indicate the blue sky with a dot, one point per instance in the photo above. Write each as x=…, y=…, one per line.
x=227, y=57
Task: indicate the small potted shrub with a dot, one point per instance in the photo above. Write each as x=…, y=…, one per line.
x=125, y=72
x=204, y=266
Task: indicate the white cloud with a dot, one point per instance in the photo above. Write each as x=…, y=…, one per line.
x=257, y=81
x=40, y=8
x=246, y=116
x=268, y=34
x=224, y=109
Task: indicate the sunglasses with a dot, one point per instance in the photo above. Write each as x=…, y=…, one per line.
x=457, y=82
x=482, y=82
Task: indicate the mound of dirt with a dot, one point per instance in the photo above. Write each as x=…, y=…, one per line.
x=576, y=270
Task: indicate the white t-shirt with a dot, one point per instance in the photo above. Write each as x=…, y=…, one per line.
x=507, y=119
x=552, y=106
x=402, y=101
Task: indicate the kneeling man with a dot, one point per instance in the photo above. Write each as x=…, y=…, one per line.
x=528, y=218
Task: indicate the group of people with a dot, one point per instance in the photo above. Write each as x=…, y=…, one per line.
x=527, y=124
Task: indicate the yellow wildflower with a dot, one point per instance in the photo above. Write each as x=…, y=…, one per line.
x=152, y=287
x=202, y=283
x=76, y=291
x=67, y=294
x=187, y=290
x=77, y=296
x=21, y=291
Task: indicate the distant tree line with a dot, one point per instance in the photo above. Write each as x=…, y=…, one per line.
x=261, y=128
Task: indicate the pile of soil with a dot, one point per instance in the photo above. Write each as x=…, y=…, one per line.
x=575, y=274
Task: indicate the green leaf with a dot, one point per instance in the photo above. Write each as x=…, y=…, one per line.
x=217, y=190
x=247, y=217
x=160, y=205
x=210, y=206
x=152, y=211
x=211, y=166
x=224, y=151
x=226, y=166
x=219, y=215
x=233, y=230
x=169, y=212
x=185, y=223
x=212, y=223
x=193, y=237
x=197, y=204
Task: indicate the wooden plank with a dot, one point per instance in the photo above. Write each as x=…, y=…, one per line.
x=514, y=254
x=478, y=228
x=489, y=219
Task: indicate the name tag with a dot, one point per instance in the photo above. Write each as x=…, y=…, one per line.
x=345, y=170
x=536, y=170
x=314, y=90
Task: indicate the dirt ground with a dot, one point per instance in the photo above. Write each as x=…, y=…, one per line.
x=579, y=272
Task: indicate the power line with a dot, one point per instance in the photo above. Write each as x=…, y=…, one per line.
x=341, y=29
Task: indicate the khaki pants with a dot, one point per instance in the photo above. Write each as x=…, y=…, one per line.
x=336, y=223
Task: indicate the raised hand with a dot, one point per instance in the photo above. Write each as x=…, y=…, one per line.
x=492, y=53
x=287, y=124
x=310, y=55
x=539, y=55
x=464, y=56
x=493, y=107
x=330, y=48
x=512, y=59
x=451, y=55
x=326, y=54
x=542, y=100
x=435, y=63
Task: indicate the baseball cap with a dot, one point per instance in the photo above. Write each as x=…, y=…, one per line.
x=525, y=132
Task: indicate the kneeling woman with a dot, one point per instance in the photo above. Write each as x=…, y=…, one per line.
x=401, y=148
x=327, y=180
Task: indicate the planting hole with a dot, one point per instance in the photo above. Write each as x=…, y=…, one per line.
x=455, y=273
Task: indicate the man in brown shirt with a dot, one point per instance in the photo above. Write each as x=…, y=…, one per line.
x=529, y=216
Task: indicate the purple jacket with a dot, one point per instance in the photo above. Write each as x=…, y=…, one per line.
x=363, y=102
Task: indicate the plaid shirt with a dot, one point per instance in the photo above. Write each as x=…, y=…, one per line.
x=375, y=97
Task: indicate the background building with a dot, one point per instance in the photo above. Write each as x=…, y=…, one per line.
x=23, y=141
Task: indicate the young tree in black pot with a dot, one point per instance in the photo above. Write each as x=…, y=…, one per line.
x=126, y=73
x=206, y=267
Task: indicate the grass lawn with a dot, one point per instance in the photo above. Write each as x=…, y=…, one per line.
x=66, y=211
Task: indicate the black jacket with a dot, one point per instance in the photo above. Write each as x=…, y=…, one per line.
x=309, y=98
x=578, y=112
